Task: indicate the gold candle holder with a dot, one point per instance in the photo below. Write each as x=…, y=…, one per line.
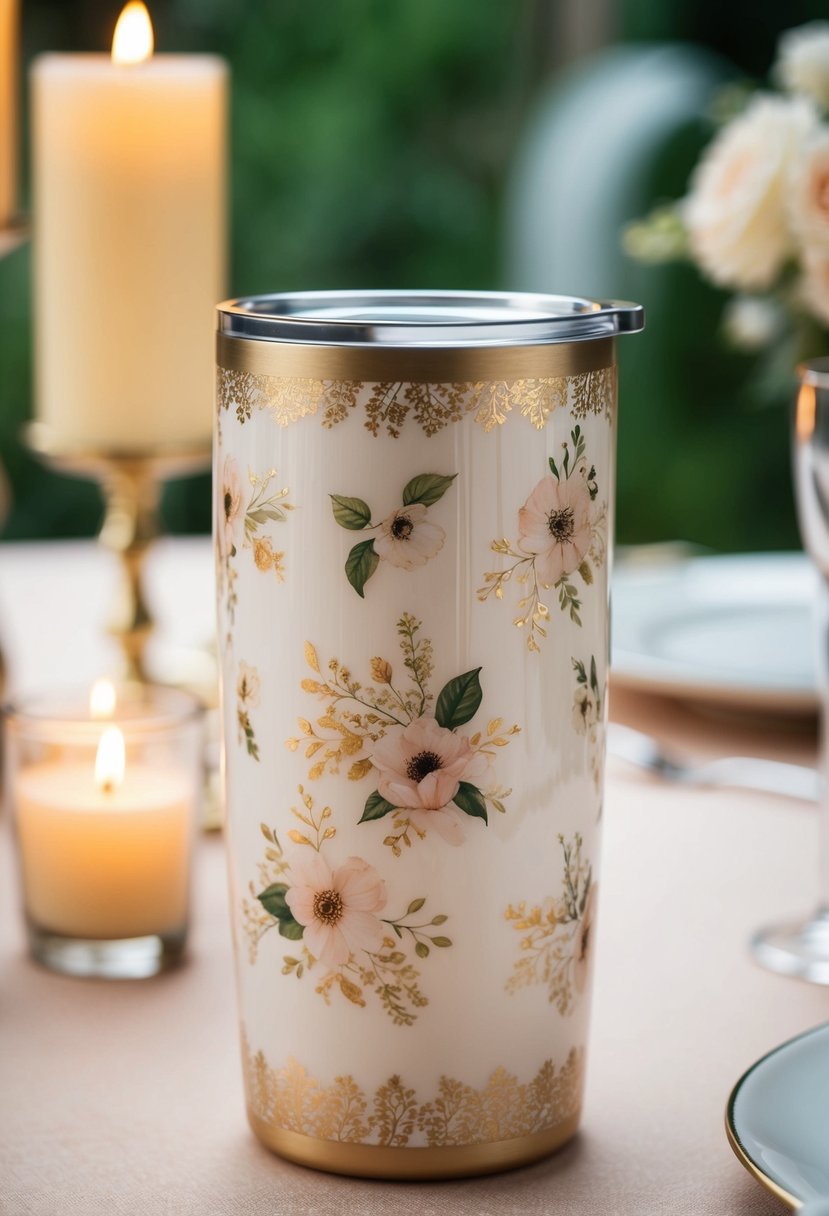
x=131, y=485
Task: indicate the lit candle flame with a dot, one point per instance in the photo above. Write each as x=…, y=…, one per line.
x=132, y=41
x=102, y=699
x=110, y=760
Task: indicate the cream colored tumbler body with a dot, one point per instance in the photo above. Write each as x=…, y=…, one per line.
x=413, y=505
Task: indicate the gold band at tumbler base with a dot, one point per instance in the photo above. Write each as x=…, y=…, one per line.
x=413, y=1164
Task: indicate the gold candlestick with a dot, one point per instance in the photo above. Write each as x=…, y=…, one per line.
x=131, y=484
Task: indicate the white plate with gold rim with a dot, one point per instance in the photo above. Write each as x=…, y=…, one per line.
x=777, y=1121
x=732, y=631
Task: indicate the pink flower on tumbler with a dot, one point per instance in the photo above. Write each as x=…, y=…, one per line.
x=554, y=525
x=420, y=769
x=337, y=907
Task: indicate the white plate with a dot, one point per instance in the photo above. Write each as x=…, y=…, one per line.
x=731, y=631
x=777, y=1118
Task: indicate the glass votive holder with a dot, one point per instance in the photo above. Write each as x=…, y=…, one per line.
x=104, y=801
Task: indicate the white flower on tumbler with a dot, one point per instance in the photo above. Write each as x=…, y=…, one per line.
x=407, y=538
x=803, y=61
x=737, y=210
x=421, y=767
x=555, y=525
x=231, y=509
x=337, y=907
x=585, y=709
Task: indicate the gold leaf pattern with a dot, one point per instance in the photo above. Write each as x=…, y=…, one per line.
x=340, y=397
x=542, y=397
x=238, y=391
x=594, y=392
x=432, y=406
x=393, y=1115
x=556, y=934
x=385, y=406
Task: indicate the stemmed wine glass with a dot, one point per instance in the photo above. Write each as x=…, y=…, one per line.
x=802, y=949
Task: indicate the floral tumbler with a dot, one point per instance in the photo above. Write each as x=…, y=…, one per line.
x=414, y=505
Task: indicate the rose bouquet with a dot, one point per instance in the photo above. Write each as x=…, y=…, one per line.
x=756, y=216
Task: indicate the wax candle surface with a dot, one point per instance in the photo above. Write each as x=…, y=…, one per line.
x=8, y=110
x=104, y=864
x=129, y=217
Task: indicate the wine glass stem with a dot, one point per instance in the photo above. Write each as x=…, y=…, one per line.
x=822, y=664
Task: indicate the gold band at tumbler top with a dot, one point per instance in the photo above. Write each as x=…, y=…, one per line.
x=413, y=1164
x=416, y=365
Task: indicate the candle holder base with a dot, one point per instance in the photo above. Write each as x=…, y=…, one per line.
x=130, y=958
x=131, y=484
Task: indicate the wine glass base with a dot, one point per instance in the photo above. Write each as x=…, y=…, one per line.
x=800, y=950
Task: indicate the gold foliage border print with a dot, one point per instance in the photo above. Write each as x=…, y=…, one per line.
x=387, y=405
x=393, y=1115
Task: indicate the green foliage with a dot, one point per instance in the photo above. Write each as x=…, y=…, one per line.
x=360, y=564
x=273, y=901
x=427, y=488
x=459, y=700
x=351, y=513
x=376, y=808
x=471, y=801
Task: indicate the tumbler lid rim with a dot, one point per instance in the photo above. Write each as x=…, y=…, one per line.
x=425, y=318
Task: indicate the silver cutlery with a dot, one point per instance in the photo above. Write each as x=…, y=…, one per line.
x=745, y=772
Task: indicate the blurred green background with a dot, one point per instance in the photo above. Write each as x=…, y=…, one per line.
x=471, y=143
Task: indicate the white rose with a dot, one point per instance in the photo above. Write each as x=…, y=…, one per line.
x=803, y=61
x=814, y=287
x=809, y=198
x=736, y=212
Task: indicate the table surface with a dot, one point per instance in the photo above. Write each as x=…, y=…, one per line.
x=126, y=1097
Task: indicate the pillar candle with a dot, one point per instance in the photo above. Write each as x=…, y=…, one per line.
x=129, y=227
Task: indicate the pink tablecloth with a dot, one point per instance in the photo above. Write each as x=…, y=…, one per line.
x=126, y=1098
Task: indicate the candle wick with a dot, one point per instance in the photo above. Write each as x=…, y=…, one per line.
x=108, y=787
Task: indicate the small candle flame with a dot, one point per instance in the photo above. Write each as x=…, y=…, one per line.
x=132, y=41
x=110, y=761
x=102, y=699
